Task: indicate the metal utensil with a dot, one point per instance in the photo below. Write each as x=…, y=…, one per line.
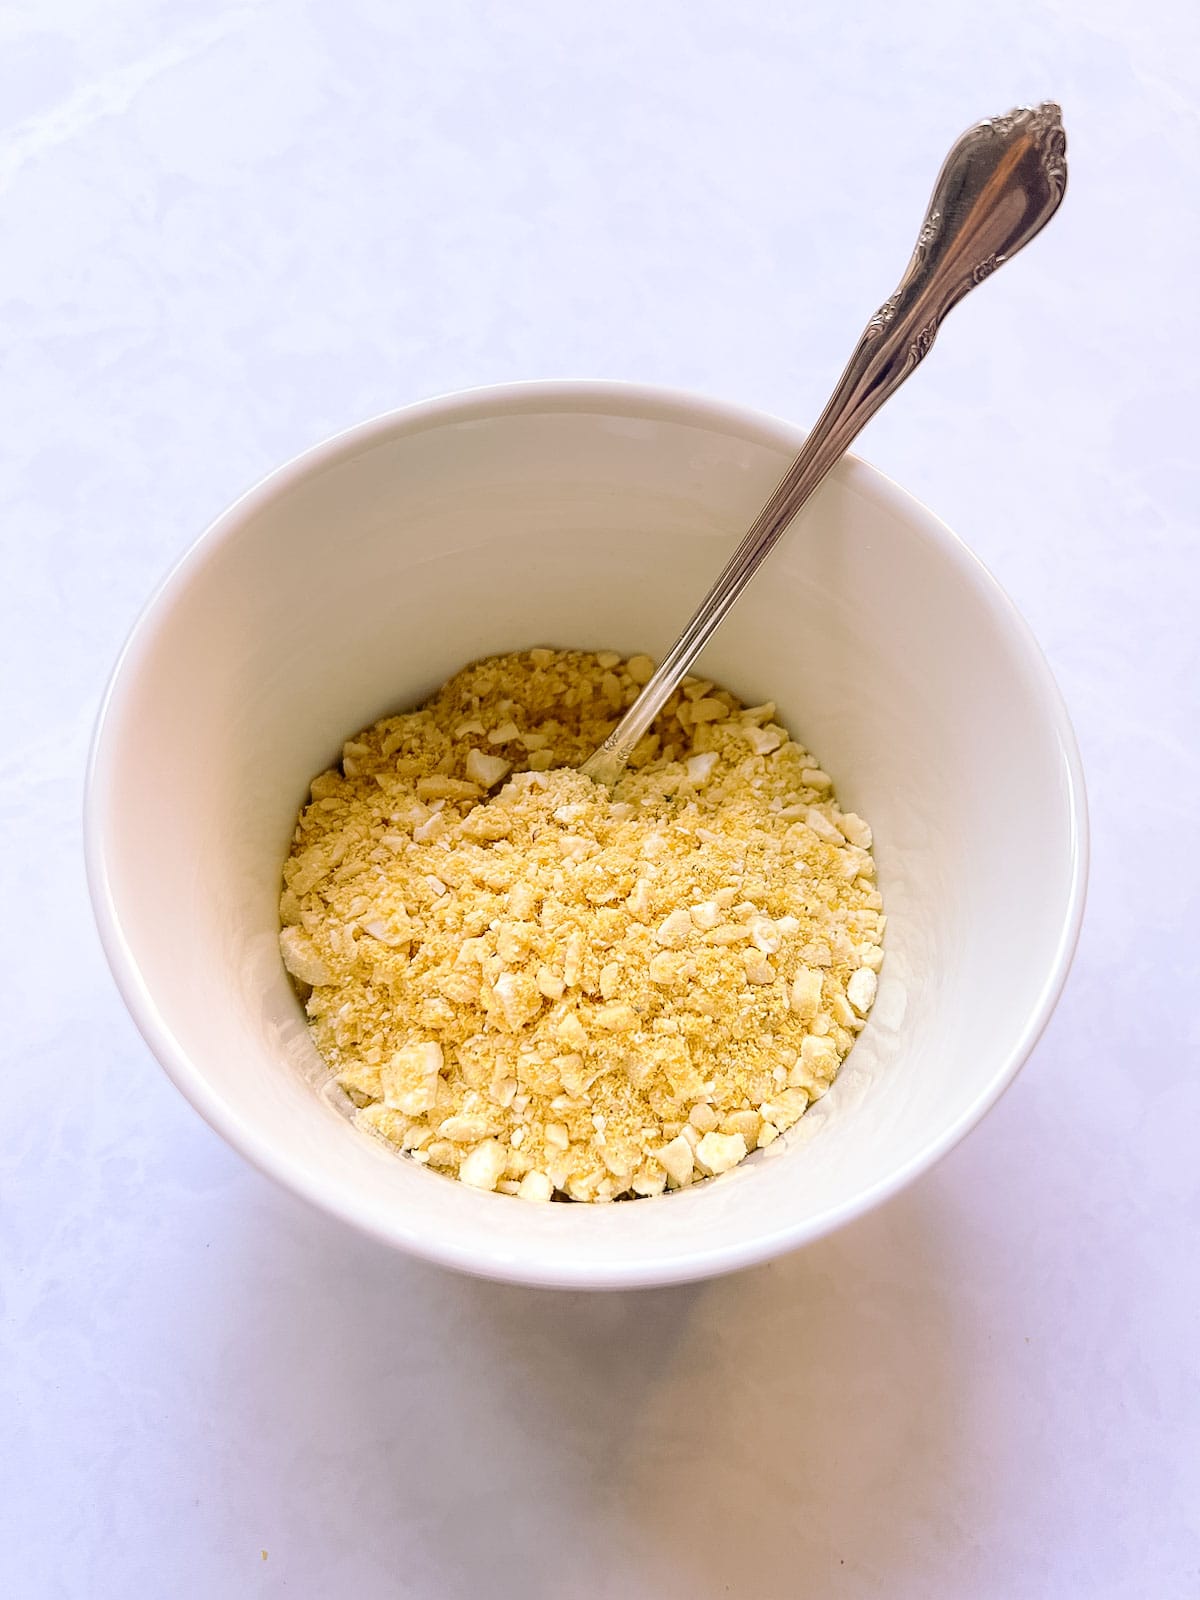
x=998, y=187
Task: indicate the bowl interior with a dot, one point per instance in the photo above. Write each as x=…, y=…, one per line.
x=354, y=582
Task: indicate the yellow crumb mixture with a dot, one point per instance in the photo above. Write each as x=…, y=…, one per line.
x=552, y=990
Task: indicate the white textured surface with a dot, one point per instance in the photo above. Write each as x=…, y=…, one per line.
x=230, y=229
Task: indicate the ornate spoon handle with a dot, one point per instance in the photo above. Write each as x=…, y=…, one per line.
x=998, y=187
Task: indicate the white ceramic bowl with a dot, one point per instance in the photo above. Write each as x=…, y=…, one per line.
x=354, y=581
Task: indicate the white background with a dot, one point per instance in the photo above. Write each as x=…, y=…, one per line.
x=227, y=230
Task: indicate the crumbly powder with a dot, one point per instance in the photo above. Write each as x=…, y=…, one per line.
x=554, y=991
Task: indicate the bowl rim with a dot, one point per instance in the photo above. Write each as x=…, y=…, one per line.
x=563, y=395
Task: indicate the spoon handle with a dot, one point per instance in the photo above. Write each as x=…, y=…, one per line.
x=999, y=186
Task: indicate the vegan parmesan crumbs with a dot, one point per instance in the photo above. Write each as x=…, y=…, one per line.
x=551, y=990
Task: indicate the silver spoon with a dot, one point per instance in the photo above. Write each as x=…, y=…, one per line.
x=998, y=187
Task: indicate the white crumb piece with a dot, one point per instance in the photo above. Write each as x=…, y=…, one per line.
x=843, y=1012
x=759, y=714
x=822, y=826
x=438, y=786
x=638, y=900
x=549, y=983
x=746, y=1123
x=570, y=1032
x=717, y=1152
x=860, y=991
x=700, y=768
x=464, y=1129
x=387, y=932
x=648, y=1183
x=787, y=1107
x=703, y=1117
x=302, y=959
x=763, y=741
x=410, y=1078
x=819, y=1056
x=804, y=996
x=758, y=968
x=483, y=1166
x=619, y=1017
x=486, y=770
x=672, y=933
x=677, y=1160
x=855, y=829
x=665, y=967
x=535, y=1186
x=708, y=710
x=572, y=959
x=610, y=689
x=518, y=998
